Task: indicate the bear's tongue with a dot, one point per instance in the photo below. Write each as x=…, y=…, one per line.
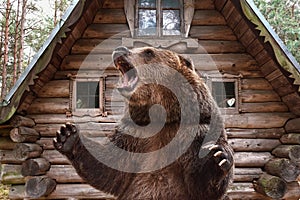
x=129, y=80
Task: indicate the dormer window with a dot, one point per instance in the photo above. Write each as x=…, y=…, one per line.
x=159, y=17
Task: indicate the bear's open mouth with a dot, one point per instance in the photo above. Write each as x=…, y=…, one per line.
x=129, y=74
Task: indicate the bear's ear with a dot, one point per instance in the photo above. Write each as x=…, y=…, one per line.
x=187, y=62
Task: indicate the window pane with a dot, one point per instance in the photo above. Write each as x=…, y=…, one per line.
x=87, y=95
x=170, y=4
x=224, y=94
x=171, y=22
x=147, y=3
x=147, y=22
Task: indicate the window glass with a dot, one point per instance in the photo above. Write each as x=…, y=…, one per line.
x=224, y=94
x=171, y=22
x=147, y=3
x=147, y=22
x=87, y=95
x=170, y=4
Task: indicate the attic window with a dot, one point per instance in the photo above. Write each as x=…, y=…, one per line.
x=159, y=17
x=88, y=96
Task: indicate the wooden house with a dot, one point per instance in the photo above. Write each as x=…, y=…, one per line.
x=229, y=42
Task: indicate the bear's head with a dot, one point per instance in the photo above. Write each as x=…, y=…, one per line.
x=152, y=76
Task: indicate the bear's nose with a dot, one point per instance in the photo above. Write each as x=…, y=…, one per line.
x=122, y=50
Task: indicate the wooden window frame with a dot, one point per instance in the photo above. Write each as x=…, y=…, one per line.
x=87, y=111
x=237, y=89
x=159, y=20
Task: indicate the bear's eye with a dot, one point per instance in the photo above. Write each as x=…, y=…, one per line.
x=149, y=53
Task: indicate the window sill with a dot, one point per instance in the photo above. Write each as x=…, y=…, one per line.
x=161, y=42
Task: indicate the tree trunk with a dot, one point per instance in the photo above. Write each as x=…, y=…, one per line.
x=22, y=31
x=6, y=43
x=271, y=186
x=16, y=39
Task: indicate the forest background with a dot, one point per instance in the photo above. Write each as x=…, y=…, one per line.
x=26, y=24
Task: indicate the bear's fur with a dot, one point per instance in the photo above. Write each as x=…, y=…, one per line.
x=203, y=171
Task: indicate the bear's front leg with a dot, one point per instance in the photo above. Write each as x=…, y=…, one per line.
x=66, y=139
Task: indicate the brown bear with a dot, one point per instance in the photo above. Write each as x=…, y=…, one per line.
x=170, y=143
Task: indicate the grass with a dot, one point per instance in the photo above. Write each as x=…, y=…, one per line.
x=3, y=192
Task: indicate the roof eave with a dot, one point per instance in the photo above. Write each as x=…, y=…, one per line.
x=9, y=105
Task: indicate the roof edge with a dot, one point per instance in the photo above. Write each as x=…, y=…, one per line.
x=40, y=61
x=283, y=56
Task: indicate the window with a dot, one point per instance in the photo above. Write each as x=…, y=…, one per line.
x=87, y=96
x=225, y=92
x=159, y=17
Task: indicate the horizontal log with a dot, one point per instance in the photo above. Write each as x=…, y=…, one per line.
x=55, y=89
x=49, y=106
x=110, y=16
x=48, y=130
x=46, y=143
x=35, y=167
x=208, y=17
x=64, y=174
x=24, y=134
x=11, y=174
x=283, y=168
x=254, y=145
x=212, y=33
x=271, y=186
x=236, y=191
x=203, y=62
x=246, y=174
x=204, y=5
x=40, y=186
x=63, y=191
x=55, y=158
x=8, y=157
x=255, y=84
x=103, y=31
x=292, y=100
x=113, y=4
x=257, y=120
x=96, y=46
x=24, y=151
x=272, y=133
x=6, y=143
x=288, y=151
x=62, y=118
x=292, y=138
x=84, y=191
x=263, y=107
x=293, y=126
x=251, y=159
x=256, y=96
x=18, y=120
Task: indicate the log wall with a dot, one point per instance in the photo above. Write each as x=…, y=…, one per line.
x=262, y=129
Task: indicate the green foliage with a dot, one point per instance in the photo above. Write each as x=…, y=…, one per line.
x=284, y=17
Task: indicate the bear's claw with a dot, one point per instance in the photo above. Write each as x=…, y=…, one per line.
x=65, y=138
x=221, y=157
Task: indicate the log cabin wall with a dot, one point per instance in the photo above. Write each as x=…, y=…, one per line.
x=263, y=127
